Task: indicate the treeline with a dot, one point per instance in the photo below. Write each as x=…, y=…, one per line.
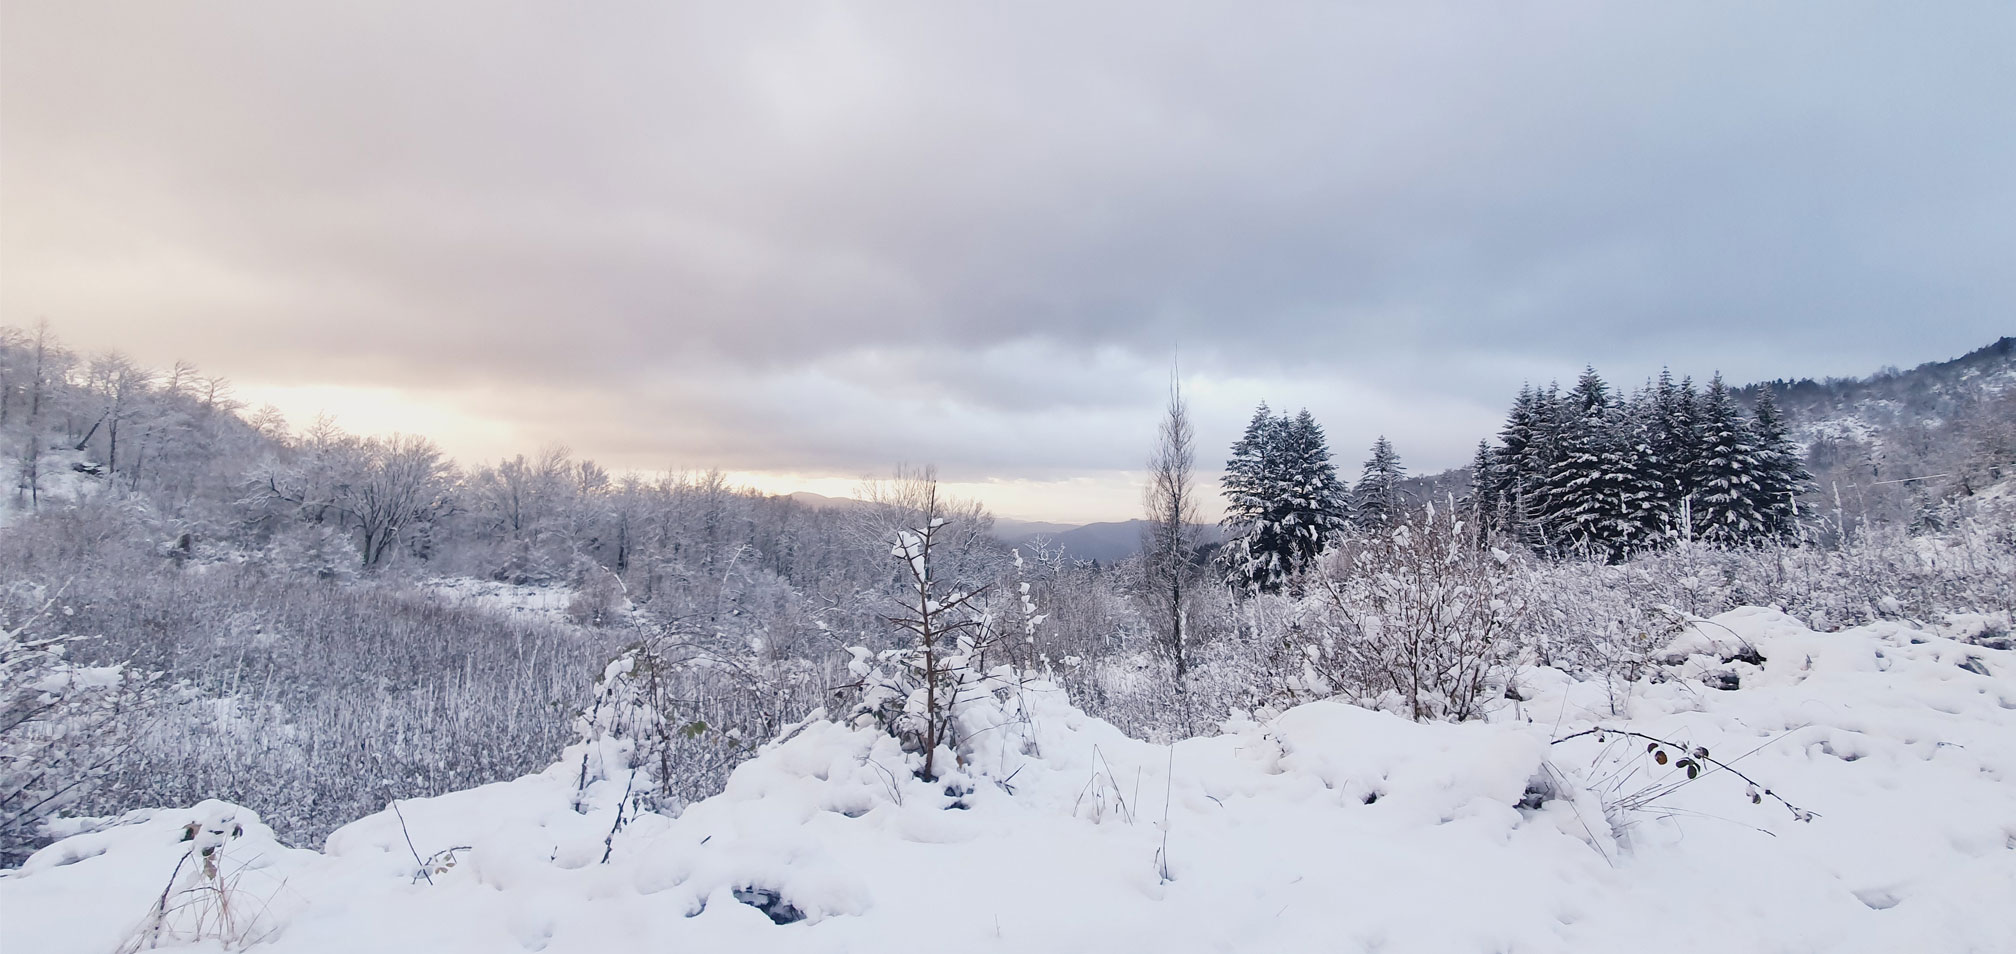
x=1591, y=471
x=1585, y=472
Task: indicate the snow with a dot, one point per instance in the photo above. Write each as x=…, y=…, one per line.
x=548, y=602
x=1326, y=827
x=58, y=482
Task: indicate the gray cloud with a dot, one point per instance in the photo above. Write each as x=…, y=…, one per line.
x=809, y=236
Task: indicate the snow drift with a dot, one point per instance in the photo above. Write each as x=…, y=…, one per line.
x=1326, y=827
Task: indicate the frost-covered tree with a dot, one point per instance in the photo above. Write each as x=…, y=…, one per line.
x=119, y=390
x=1284, y=501
x=1606, y=494
x=1521, y=462
x=1581, y=511
x=1781, y=470
x=948, y=681
x=1674, y=438
x=1256, y=549
x=1375, y=501
x=1169, y=566
x=386, y=489
x=1633, y=481
x=1725, y=504
x=531, y=509
x=37, y=365
x=1482, y=501
x=1592, y=472
x=1319, y=504
x=1420, y=616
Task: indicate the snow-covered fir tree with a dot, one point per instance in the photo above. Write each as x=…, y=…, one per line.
x=1375, y=502
x=1284, y=501
x=1255, y=551
x=1520, y=466
x=1483, y=501
x=1781, y=470
x=1590, y=471
x=1634, y=487
x=1319, y=504
x=1674, y=439
x=1580, y=508
x=1726, y=494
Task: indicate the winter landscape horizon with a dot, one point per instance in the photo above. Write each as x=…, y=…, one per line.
x=1441, y=478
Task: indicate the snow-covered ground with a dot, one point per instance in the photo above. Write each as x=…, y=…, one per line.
x=60, y=482
x=548, y=602
x=1326, y=828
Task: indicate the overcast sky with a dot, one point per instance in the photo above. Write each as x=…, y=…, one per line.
x=803, y=242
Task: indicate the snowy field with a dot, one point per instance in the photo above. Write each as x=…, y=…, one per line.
x=1327, y=827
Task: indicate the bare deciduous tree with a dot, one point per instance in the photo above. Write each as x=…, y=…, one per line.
x=1169, y=557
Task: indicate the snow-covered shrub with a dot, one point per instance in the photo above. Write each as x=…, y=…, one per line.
x=598, y=597
x=320, y=551
x=205, y=898
x=674, y=712
x=1594, y=619
x=950, y=687
x=647, y=729
x=62, y=725
x=317, y=703
x=1422, y=616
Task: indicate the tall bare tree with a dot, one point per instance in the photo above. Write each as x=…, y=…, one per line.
x=1169, y=556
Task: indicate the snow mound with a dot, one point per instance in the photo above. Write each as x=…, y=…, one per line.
x=1326, y=827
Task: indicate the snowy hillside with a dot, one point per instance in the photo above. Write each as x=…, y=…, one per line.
x=1327, y=827
x=1931, y=392
x=1935, y=422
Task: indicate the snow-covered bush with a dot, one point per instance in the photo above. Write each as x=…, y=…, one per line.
x=648, y=727
x=1422, y=616
x=1591, y=618
x=598, y=598
x=950, y=687
x=62, y=725
x=320, y=551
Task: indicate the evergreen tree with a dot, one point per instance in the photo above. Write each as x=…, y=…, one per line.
x=1514, y=479
x=1675, y=440
x=1726, y=492
x=1551, y=420
x=1633, y=487
x=1376, y=500
x=1318, y=503
x=1255, y=552
x=1781, y=471
x=1578, y=514
x=1284, y=502
x=1483, y=500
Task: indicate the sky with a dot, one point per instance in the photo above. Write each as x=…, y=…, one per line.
x=806, y=242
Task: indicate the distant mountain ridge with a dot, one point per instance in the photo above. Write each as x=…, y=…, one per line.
x=1102, y=542
x=1869, y=409
x=806, y=498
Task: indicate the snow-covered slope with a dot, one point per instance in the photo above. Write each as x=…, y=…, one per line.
x=1323, y=828
x=1873, y=410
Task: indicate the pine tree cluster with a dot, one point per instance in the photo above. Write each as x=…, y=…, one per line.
x=1594, y=471
x=1284, y=501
